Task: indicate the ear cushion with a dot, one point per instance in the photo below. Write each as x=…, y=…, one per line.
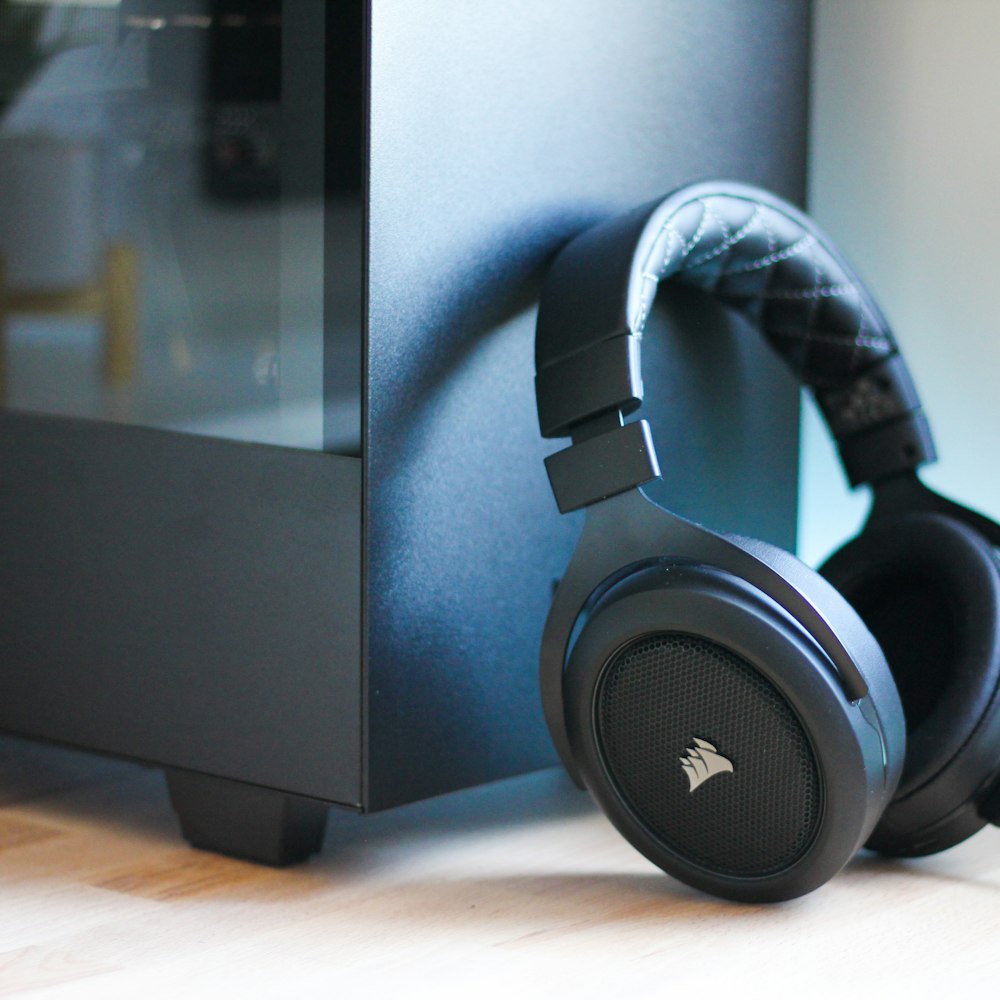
x=856, y=638
x=928, y=587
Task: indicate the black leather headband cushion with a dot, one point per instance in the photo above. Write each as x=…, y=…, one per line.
x=928, y=588
x=746, y=246
x=752, y=250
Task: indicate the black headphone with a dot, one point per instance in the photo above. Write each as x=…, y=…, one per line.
x=737, y=715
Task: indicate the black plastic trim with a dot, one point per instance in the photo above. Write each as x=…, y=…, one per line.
x=580, y=386
x=602, y=466
x=887, y=449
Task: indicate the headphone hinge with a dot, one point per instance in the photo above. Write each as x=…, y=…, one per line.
x=603, y=466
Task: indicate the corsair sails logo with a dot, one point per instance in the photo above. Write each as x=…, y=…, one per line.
x=702, y=762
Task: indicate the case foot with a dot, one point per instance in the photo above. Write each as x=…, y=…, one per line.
x=246, y=821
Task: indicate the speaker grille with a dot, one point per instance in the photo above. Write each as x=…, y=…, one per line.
x=661, y=693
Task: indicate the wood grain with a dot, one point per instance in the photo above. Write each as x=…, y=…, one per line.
x=519, y=887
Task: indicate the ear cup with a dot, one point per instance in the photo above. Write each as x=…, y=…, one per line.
x=857, y=638
x=712, y=730
x=928, y=587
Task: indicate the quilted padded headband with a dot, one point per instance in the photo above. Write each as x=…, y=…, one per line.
x=758, y=254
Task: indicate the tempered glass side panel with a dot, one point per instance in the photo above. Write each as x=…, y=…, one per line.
x=177, y=249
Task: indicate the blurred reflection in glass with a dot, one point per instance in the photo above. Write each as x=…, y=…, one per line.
x=176, y=231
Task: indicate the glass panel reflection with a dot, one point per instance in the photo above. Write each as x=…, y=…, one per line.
x=169, y=217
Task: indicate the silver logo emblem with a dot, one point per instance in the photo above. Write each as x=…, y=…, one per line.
x=702, y=761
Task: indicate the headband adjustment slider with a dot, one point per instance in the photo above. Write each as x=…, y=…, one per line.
x=601, y=378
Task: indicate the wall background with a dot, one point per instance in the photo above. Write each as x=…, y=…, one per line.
x=905, y=176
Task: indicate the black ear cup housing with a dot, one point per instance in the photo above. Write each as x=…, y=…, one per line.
x=711, y=728
x=928, y=587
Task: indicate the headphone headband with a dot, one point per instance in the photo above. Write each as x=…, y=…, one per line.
x=758, y=254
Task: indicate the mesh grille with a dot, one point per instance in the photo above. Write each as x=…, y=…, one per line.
x=661, y=693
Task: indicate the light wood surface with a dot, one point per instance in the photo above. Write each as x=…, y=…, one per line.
x=516, y=889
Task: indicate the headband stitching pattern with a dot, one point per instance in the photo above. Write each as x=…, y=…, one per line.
x=859, y=346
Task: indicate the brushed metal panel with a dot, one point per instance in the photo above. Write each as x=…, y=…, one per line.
x=498, y=131
x=182, y=600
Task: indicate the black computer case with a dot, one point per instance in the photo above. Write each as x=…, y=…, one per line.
x=282, y=628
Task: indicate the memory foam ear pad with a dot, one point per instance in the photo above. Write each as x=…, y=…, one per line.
x=856, y=637
x=928, y=587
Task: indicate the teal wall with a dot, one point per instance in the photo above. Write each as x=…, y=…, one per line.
x=905, y=175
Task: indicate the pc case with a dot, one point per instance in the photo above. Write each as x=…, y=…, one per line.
x=285, y=531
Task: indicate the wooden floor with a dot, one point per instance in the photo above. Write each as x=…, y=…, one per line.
x=520, y=888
